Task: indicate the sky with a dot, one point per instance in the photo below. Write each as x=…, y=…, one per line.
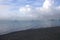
x=29, y=9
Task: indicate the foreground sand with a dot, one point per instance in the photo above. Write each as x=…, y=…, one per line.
x=52, y=33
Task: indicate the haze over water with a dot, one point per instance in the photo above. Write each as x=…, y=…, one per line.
x=7, y=26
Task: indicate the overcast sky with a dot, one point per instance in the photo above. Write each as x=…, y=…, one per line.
x=29, y=9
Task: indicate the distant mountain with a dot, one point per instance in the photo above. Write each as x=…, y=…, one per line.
x=51, y=33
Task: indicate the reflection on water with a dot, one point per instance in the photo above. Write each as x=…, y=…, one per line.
x=10, y=26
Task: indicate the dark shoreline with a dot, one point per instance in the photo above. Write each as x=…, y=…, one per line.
x=51, y=33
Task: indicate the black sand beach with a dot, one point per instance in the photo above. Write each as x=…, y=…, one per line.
x=52, y=33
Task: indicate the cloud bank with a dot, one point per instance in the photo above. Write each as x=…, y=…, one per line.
x=48, y=10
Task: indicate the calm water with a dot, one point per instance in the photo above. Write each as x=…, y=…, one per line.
x=7, y=26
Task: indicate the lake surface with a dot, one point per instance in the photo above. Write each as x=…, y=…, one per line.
x=7, y=26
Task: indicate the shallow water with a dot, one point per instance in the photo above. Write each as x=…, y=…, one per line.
x=7, y=26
